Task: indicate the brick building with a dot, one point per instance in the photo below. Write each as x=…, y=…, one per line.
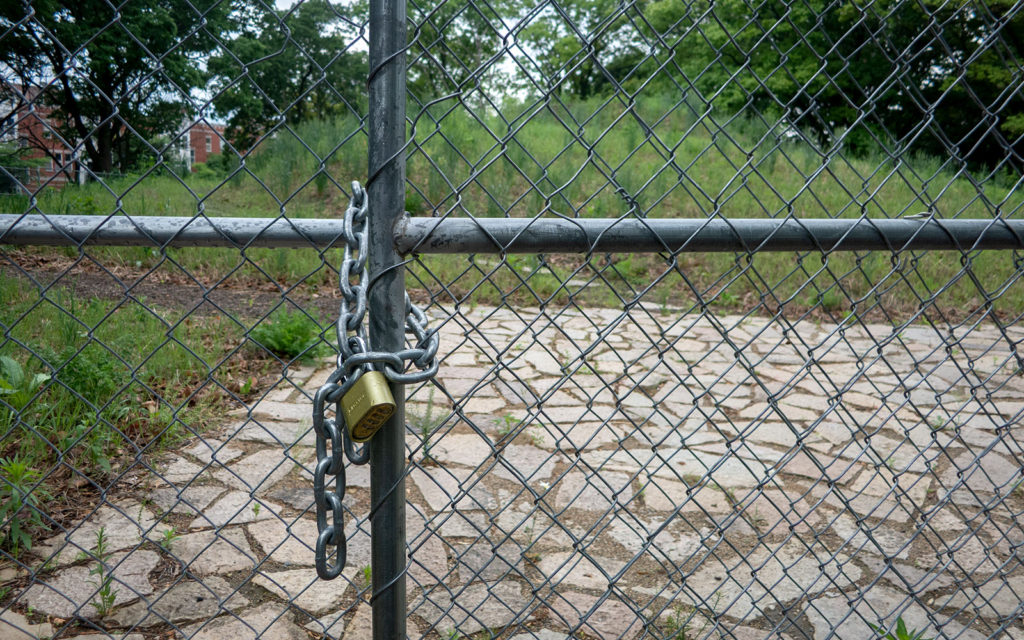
x=203, y=140
x=29, y=125
x=54, y=161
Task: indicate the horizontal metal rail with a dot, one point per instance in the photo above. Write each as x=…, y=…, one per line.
x=564, y=235
x=524, y=235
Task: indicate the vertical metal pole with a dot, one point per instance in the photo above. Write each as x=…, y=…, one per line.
x=386, y=190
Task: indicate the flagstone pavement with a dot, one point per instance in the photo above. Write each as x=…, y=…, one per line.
x=602, y=476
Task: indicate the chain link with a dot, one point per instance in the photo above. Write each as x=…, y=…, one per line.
x=354, y=359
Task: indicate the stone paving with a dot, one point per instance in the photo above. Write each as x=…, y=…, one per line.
x=603, y=476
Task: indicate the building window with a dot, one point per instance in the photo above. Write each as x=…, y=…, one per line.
x=192, y=155
x=209, y=144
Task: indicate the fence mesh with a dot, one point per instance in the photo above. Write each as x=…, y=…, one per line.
x=674, y=445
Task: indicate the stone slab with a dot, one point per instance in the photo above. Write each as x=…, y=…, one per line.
x=610, y=620
x=237, y=507
x=73, y=591
x=304, y=589
x=207, y=552
x=266, y=622
x=470, y=609
x=184, y=602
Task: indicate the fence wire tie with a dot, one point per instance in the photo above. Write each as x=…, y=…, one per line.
x=355, y=358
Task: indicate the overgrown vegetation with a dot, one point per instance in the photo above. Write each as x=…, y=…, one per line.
x=90, y=380
x=290, y=334
x=740, y=169
x=20, y=497
x=89, y=383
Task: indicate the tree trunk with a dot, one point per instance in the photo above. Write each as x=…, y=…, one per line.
x=103, y=159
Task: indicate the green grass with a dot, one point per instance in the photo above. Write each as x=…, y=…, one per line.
x=680, y=168
x=291, y=335
x=107, y=381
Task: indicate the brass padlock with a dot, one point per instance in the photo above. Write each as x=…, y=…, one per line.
x=367, y=406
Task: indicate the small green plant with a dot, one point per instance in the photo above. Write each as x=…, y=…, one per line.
x=757, y=519
x=726, y=299
x=289, y=335
x=107, y=594
x=426, y=425
x=507, y=423
x=247, y=386
x=256, y=509
x=730, y=495
x=367, y=575
x=17, y=388
x=1018, y=488
x=169, y=536
x=691, y=479
x=678, y=624
x=901, y=632
x=453, y=634
x=536, y=439
x=19, y=502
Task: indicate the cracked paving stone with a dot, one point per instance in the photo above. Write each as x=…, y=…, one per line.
x=260, y=471
x=210, y=552
x=236, y=507
x=73, y=591
x=190, y=501
x=334, y=625
x=304, y=589
x=289, y=543
x=123, y=526
x=445, y=489
x=184, y=602
x=14, y=626
x=474, y=608
x=267, y=622
x=281, y=434
x=611, y=620
x=834, y=617
x=480, y=561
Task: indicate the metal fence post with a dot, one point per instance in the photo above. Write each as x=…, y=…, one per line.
x=386, y=189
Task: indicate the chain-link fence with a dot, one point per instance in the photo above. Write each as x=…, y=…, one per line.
x=727, y=298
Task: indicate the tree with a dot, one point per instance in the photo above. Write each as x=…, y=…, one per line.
x=584, y=47
x=934, y=77
x=289, y=66
x=452, y=46
x=114, y=74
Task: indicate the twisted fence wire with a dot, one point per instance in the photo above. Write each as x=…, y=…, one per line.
x=812, y=445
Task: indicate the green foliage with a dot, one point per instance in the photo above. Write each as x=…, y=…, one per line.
x=900, y=633
x=19, y=500
x=106, y=594
x=425, y=424
x=289, y=335
x=679, y=625
x=507, y=424
x=167, y=538
x=279, y=51
x=100, y=102
x=742, y=45
x=114, y=379
x=16, y=388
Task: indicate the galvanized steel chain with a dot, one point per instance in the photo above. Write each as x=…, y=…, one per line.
x=357, y=361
